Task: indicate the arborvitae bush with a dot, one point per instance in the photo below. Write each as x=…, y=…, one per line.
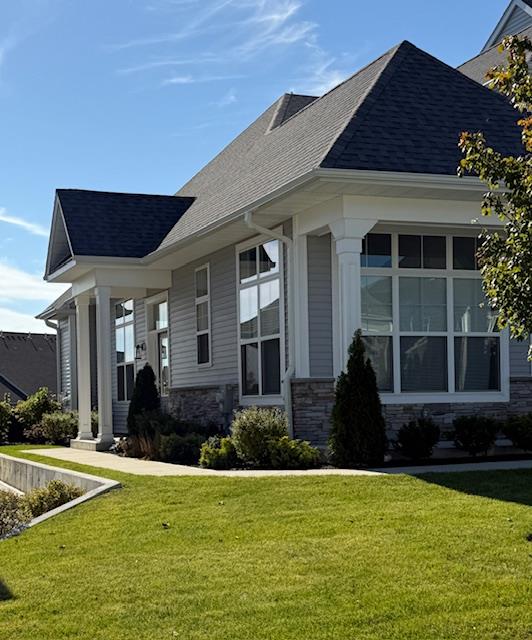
x=145, y=397
x=358, y=432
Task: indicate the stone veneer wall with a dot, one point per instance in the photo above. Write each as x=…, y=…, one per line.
x=204, y=405
x=313, y=399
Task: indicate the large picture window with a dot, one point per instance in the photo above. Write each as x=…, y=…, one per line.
x=158, y=340
x=203, y=315
x=259, y=294
x=125, y=349
x=427, y=325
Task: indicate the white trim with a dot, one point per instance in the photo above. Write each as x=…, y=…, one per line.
x=115, y=328
x=497, y=34
x=301, y=320
x=197, y=302
x=261, y=399
x=335, y=297
x=152, y=337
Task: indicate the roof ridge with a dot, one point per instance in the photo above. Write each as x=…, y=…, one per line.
x=121, y=193
x=373, y=91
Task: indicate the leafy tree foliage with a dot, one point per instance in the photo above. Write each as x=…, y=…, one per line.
x=506, y=257
x=358, y=429
x=144, y=399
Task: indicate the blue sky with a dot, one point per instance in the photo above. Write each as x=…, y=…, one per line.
x=136, y=95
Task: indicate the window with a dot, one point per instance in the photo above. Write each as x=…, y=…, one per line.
x=427, y=326
x=158, y=341
x=125, y=349
x=203, y=316
x=259, y=296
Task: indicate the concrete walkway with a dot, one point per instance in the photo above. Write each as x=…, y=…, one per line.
x=150, y=468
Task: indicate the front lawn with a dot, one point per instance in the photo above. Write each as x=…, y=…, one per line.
x=310, y=558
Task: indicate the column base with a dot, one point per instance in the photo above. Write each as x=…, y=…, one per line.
x=92, y=444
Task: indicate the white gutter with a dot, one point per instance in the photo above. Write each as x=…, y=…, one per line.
x=289, y=371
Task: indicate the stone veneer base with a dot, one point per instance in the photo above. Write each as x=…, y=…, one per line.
x=213, y=404
x=313, y=400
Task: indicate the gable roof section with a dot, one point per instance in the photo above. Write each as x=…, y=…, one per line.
x=288, y=106
x=404, y=112
x=516, y=18
x=27, y=362
x=100, y=223
x=477, y=67
x=413, y=117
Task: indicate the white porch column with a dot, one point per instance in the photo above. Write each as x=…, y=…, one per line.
x=103, y=363
x=83, y=367
x=348, y=234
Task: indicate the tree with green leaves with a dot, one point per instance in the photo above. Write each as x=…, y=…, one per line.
x=358, y=435
x=505, y=257
x=145, y=397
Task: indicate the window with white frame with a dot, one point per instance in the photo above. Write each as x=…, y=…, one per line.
x=203, y=315
x=427, y=325
x=259, y=294
x=125, y=349
x=158, y=341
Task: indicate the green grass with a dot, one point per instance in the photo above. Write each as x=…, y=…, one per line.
x=312, y=558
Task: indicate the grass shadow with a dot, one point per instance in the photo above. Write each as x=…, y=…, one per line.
x=5, y=592
x=508, y=486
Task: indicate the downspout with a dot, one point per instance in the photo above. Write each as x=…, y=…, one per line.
x=289, y=371
x=55, y=327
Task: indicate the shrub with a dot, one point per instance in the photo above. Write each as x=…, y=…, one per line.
x=180, y=449
x=56, y=493
x=358, y=433
x=5, y=421
x=144, y=399
x=55, y=428
x=475, y=434
x=252, y=431
x=14, y=514
x=218, y=453
x=29, y=412
x=416, y=439
x=286, y=453
x=519, y=430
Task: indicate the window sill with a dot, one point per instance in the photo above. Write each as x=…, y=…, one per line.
x=261, y=401
x=444, y=398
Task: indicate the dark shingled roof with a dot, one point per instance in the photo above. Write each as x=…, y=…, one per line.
x=27, y=362
x=403, y=112
x=100, y=223
x=289, y=105
x=477, y=67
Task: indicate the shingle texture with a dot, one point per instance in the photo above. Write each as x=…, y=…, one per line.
x=413, y=117
x=288, y=106
x=100, y=223
x=403, y=112
x=477, y=67
x=27, y=362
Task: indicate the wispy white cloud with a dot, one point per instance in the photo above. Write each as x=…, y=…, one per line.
x=32, y=227
x=190, y=79
x=17, y=285
x=227, y=99
x=6, y=45
x=21, y=322
x=161, y=64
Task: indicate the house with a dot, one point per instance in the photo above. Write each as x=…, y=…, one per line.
x=27, y=363
x=328, y=213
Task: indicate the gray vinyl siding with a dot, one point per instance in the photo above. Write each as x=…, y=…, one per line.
x=320, y=306
x=184, y=370
x=65, y=377
x=141, y=333
x=519, y=363
x=517, y=21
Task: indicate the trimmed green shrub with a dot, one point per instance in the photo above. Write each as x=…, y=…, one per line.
x=55, y=428
x=144, y=399
x=29, y=412
x=180, y=449
x=252, y=431
x=55, y=494
x=14, y=514
x=6, y=416
x=519, y=430
x=417, y=439
x=358, y=435
x=218, y=453
x=475, y=434
x=286, y=453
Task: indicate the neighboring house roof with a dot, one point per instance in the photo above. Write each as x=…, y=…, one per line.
x=477, y=67
x=27, y=362
x=403, y=112
x=100, y=223
x=517, y=16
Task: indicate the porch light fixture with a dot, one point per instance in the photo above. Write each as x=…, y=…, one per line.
x=140, y=349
